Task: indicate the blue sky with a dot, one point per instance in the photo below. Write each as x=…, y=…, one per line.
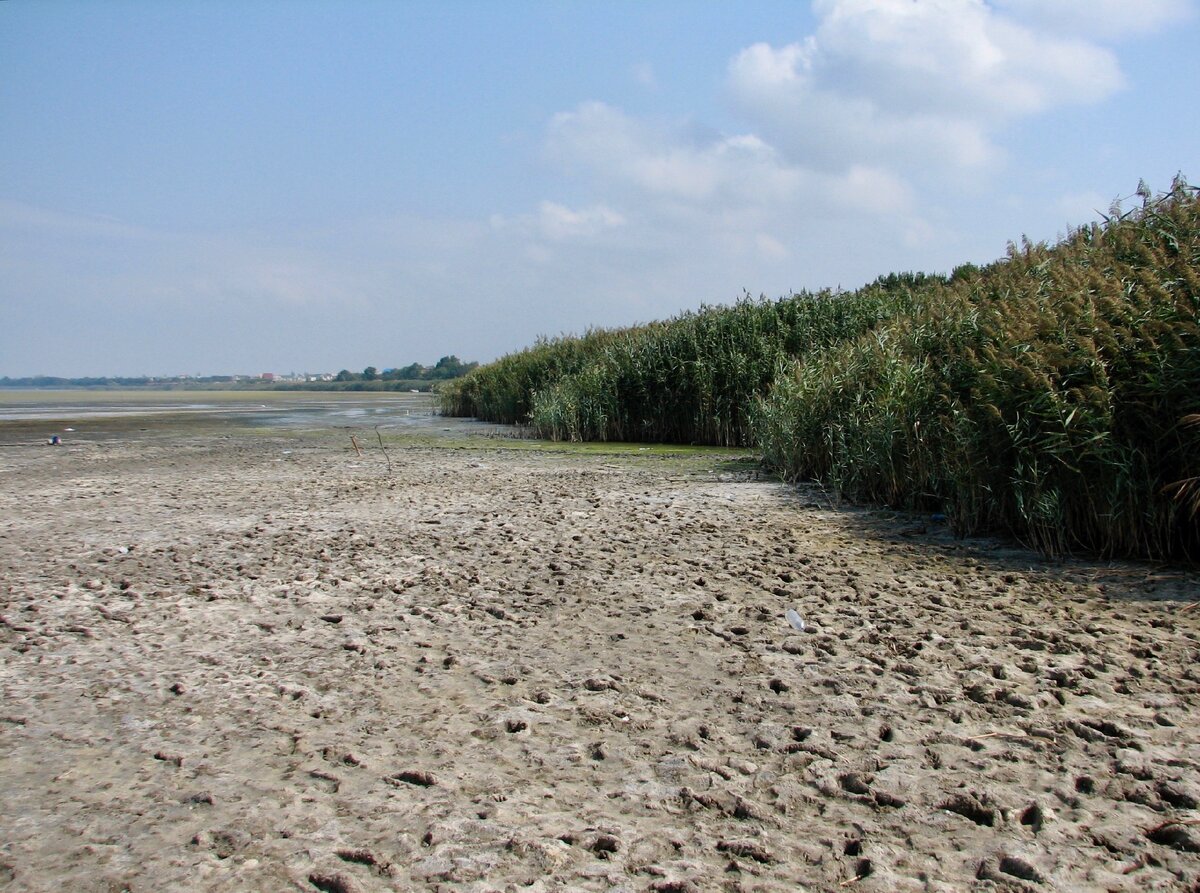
x=222, y=187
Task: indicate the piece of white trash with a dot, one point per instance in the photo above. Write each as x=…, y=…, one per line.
x=794, y=619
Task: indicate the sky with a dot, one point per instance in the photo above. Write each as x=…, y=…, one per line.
x=243, y=186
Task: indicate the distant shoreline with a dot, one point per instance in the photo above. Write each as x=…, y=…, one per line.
x=82, y=409
x=249, y=386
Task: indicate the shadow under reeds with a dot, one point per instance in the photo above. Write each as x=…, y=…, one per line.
x=915, y=533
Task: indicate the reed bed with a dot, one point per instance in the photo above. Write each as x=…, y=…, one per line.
x=1047, y=395
x=1052, y=395
x=687, y=380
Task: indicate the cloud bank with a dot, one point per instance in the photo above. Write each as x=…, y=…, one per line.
x=912, y=85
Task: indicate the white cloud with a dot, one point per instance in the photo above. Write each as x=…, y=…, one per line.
x=771, y=248
x=956, y=57
x=912, y=83
x=873, y=190
x=668, y=162
x=558, y=222
x=1102, y=19
x=20, y=217
x=720, y=183
x=674, y=195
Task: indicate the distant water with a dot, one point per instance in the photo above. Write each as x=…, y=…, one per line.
x=294, y=410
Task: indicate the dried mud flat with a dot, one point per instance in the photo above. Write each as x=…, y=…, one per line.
x=255, y=663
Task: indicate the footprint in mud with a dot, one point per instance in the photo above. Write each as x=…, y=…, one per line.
x=853, y=783
x=340, y=757
x=367, y=858
x=1033, y=817
x=746, y=849
x=970, y=807
x=223, y=842
x=332, y=883
x=414, y=777
x=325, y=781
x=1004, y=869
x=1177, y=835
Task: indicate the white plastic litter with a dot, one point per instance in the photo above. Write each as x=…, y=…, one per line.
x=794, y=619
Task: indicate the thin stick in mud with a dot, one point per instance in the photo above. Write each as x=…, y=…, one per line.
x=382, y=447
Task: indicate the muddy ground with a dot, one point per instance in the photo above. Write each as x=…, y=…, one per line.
x=262, y=662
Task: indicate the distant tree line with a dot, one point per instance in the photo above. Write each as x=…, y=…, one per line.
x=414, y=376
x=445, y=368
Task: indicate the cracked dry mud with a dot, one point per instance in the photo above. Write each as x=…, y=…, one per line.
x=254, y=663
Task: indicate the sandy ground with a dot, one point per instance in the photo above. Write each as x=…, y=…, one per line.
x=264, y=663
